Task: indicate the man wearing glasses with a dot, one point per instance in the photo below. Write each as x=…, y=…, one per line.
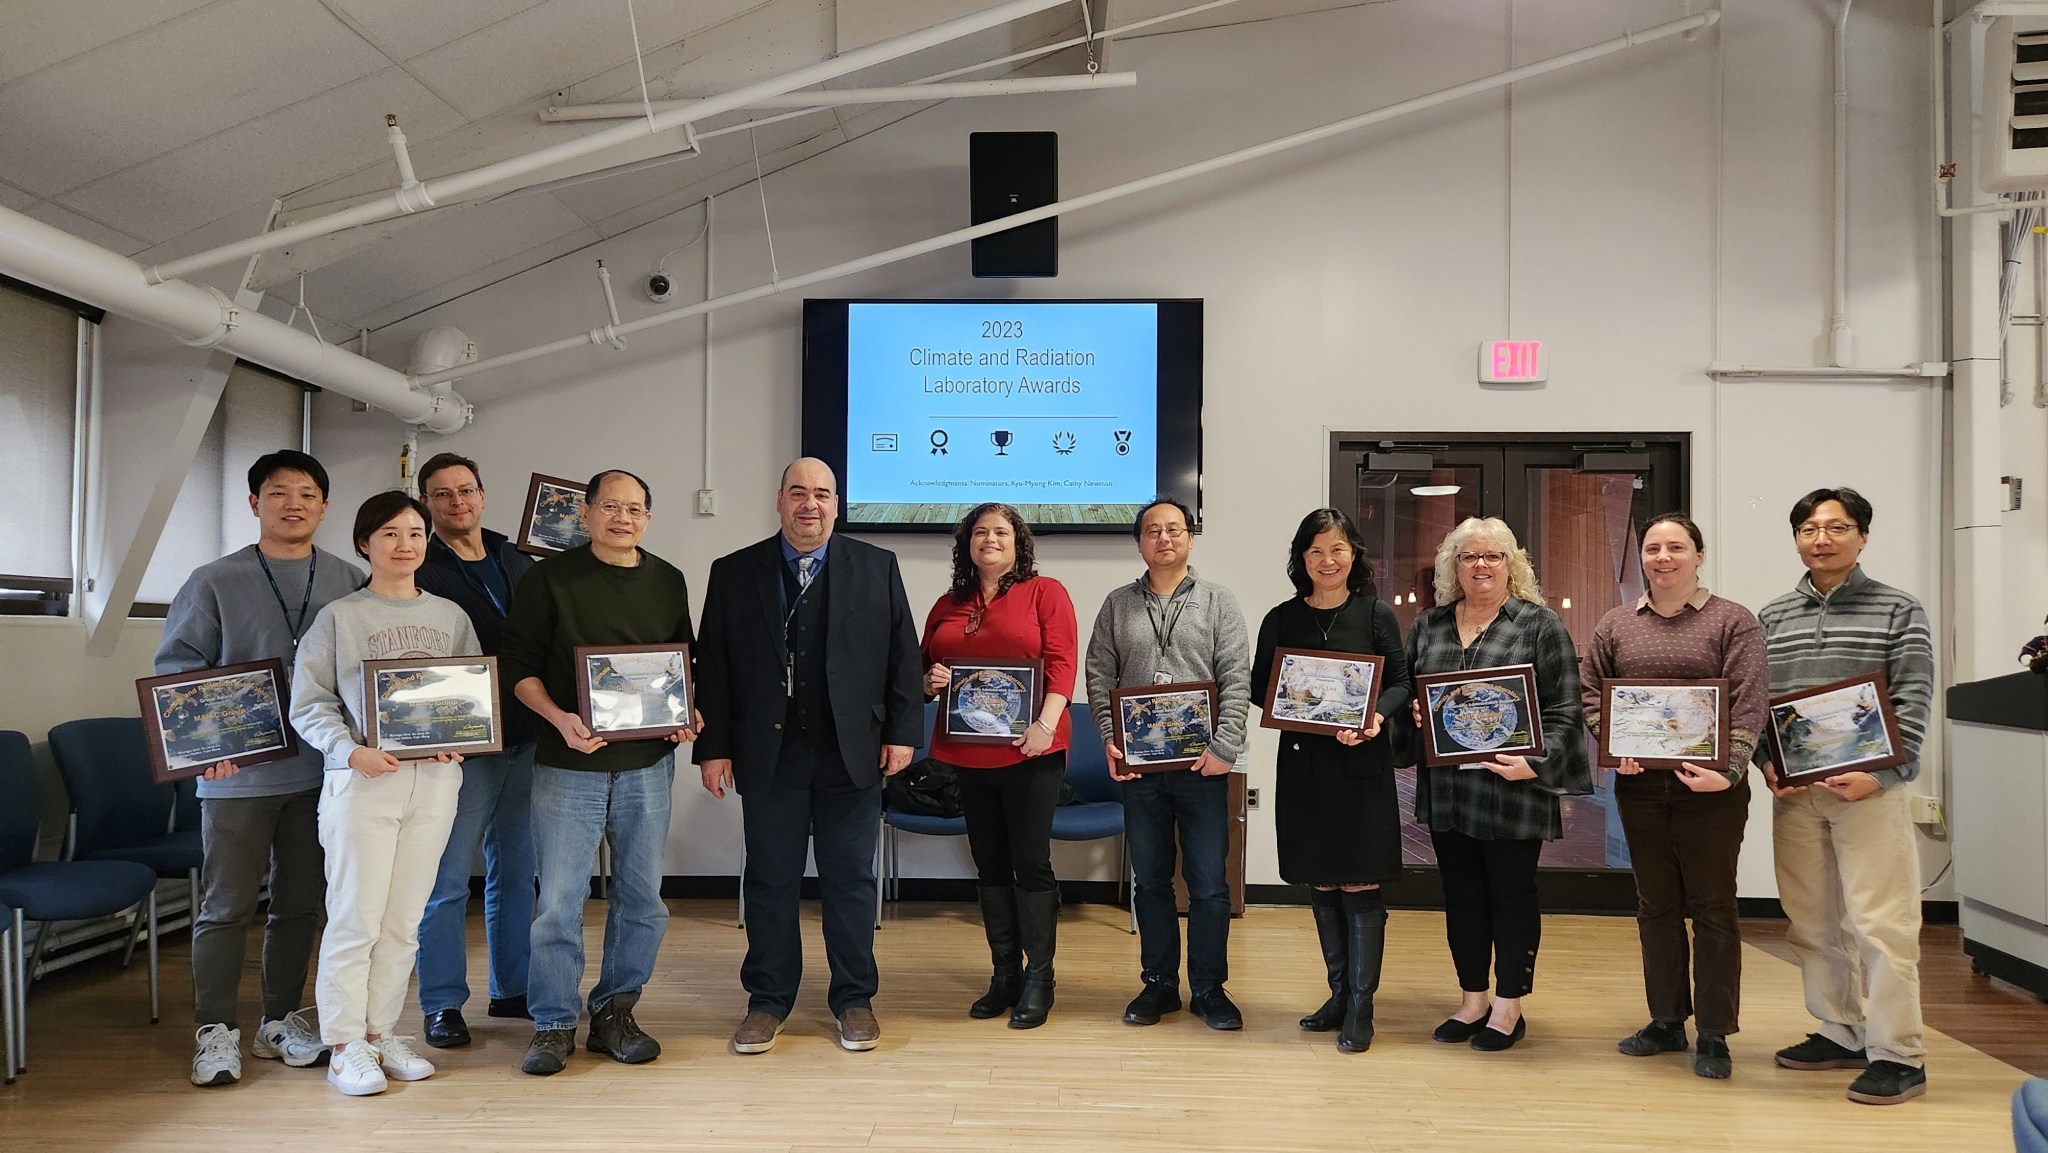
x=1848, y=869
x=478, y=569
x=1169, y=625
x=607, y=592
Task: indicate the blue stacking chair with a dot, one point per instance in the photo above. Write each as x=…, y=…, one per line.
x=1101, y=811
x=8, y=1008
x=118, y=810
x=894, y=822
x=51, y=891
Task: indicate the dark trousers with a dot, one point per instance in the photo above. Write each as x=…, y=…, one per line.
x=246, y=839
x=1684, y=845
x=1157, y=805
x=1490, y=911
x=1009, y=821
x=811, y=803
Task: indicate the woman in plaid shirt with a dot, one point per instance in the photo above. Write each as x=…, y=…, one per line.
x=1488, y=821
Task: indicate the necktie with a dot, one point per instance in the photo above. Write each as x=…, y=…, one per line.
x=805, y=571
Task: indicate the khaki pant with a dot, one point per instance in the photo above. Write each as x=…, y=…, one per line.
x=1849, y=878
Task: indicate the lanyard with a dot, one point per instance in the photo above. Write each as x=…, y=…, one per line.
x=1176, y=604
x=312, y=566
x=484, y=586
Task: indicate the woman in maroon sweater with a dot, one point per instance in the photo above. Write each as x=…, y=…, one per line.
x=1000, y=609
x=1684, y=826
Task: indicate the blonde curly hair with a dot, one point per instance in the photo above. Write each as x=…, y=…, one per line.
x=1491, y=530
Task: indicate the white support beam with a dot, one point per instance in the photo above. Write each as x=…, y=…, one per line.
x=823, y=98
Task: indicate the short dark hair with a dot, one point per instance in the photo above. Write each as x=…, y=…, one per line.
x=1138, y=522
x=967, y=578
x=590, y=490
x=379, y=511
x=1699, y=540
x=1852, y=502
x=444, y=460
x=1315, y=524
x=285, y=460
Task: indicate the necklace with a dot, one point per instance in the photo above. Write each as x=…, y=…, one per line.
x=1316, y=615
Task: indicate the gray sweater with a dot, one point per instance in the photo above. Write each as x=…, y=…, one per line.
x=1197, y=634
x=327, y=688
x=226, y=614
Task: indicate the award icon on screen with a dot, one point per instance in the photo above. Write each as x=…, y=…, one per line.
x=1001, y=439
x=939, y=439
x=1123, y=442
x=1063, y=443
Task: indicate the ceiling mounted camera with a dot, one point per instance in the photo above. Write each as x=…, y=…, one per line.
x=660, y=289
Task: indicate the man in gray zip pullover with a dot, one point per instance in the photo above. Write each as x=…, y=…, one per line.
x=1169, y=625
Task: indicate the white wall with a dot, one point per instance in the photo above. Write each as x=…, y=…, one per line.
x=1609, y=210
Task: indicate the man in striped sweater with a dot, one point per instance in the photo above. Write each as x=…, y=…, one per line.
x=1848, y=869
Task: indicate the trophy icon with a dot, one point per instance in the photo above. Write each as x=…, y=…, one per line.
x=1001, y=439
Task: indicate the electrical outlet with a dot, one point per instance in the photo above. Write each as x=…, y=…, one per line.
x=707, y=502
x=1251, y=798
x=1927, y=811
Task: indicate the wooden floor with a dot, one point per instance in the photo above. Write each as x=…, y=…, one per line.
x=102, y=1079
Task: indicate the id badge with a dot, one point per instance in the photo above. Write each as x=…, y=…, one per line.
x=1161, y=679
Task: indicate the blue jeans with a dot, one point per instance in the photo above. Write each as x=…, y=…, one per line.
x=1155, y=806
x=496, y=811
x=571, y=810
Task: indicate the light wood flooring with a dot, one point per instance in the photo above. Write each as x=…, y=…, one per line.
x=101, y=1078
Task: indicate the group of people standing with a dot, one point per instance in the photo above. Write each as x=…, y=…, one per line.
x=810, y=682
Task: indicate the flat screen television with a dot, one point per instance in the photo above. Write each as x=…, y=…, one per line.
x=1078, y=412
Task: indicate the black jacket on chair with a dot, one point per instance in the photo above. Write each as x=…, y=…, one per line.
x=872, y=670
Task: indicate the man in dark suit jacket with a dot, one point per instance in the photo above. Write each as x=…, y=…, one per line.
x=808, y=681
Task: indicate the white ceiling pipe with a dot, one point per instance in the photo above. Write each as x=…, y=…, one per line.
x=460, y=185
x=203, y=317
x=1088, y=200
x=1841, y=342
x=831, y=97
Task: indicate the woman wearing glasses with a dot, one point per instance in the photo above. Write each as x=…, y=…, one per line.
x=1488, y=821
x=1684, y=827
x=1336, y=817
x=1000, y=610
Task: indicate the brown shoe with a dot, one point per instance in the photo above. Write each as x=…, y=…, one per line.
x=858, y=1029
x=756, y=1033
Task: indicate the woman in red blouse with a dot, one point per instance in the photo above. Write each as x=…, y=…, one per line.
x=1000, y=609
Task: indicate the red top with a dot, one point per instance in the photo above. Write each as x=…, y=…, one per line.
x=1034, y=620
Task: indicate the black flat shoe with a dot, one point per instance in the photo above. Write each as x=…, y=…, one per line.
x=1456, y=1032
x=1654, y=1038
x=1492, y=1040
x=1710, y=1058
x=1154, y=1002
x=509, y=1007
x=446, y=1029
x=1216, y=1010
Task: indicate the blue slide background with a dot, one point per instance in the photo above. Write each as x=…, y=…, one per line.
x=888, y=394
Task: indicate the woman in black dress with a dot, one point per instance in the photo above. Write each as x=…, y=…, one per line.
x=1335, y=814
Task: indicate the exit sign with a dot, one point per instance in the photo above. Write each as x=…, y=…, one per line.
x=1513, y=362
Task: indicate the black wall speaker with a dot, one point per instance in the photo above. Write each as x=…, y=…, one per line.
x=1008, y=173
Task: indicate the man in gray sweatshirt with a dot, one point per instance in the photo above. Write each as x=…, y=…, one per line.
x=251, y=605
x=1167, y=626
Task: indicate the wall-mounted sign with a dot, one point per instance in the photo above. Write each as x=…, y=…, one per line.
x=1513, y=362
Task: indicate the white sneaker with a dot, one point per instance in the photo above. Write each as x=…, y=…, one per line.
x=400, y=1061
x=217, y=1056
x=354, y=1070
x=292, y=1040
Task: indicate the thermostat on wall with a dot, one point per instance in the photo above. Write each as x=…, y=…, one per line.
x=1513, y=362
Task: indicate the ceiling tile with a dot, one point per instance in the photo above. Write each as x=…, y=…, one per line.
x=58, y=216
x=456, y=242
x=405, y=28
x=42, y=32
x=554, y=45
x=171, y=85
x=504, y=269
x=314, y=140
x=599, y=200
x=15, y=198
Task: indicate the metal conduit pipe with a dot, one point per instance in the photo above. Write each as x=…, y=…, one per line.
x=1089, y=200
x=832, y=97
x=203, y=317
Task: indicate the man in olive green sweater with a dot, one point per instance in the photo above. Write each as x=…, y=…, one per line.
x=608, y=592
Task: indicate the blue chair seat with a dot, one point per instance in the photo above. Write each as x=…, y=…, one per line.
x=75, y=890
x=171, y=855
x=1088, y=822
x=925, y=825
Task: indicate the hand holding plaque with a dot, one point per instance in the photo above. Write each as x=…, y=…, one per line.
x=1157, y=728
x=631, y=692
x=991, y=702
x=423, y=708
x=193, y=721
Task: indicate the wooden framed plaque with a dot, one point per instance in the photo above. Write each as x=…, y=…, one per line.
x=992, y=702
x=1162, y=727
x=1315, y=691
x=1844, y=727
x=193, y=721
x=420, y=707
x=1662, y=724
x=551, y=521
x=1475, y=715
x=628, y=692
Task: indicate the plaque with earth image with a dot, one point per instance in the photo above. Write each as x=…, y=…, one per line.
x=1844, y=727
x=195, y=720
x=1314, y=691
x=552, y=520
x=1163, y=727
x=1475, y=715
x=420, y=707
x=1661, y=724
x=993, y=702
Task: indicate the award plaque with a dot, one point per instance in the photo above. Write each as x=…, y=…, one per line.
x=1476, y=715
x=626, y=692
x=992, y=702
x=552, y=520
x=1662, y=724
x=1162, y=727
x=419, y=707
x=1828, y=730
x=192, y=721
x=1313, y=691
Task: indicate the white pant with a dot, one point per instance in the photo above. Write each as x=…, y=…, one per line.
x=384, y=836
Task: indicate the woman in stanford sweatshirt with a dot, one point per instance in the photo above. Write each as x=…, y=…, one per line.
x=383, y=821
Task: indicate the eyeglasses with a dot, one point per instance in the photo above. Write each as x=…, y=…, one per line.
x=1169, y=532
x=629, y=511
x=466, y=492
x=1835, y=530
x=1489, y=559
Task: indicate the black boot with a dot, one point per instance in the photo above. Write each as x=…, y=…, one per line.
x=1365, y=942
x=1328, y=908
x=1038, y=920
x=999, y=922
